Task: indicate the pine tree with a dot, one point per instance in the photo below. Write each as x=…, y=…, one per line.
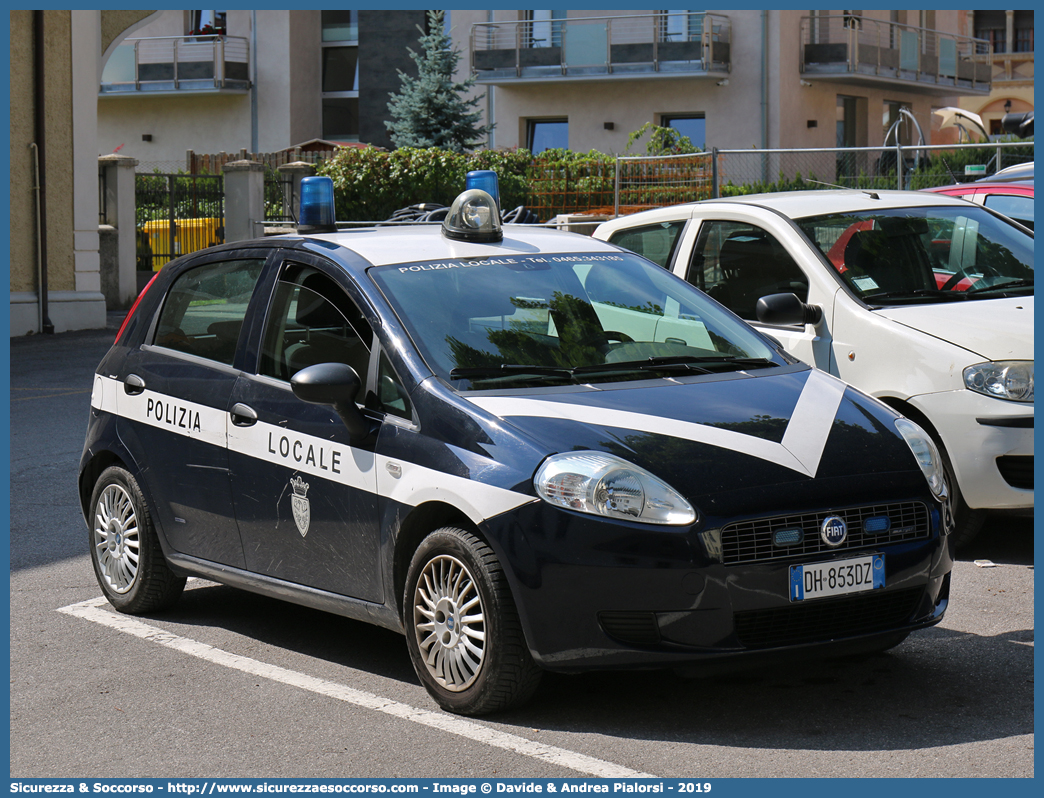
x=430, y=110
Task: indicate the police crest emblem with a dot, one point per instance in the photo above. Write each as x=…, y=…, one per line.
x=299, y=504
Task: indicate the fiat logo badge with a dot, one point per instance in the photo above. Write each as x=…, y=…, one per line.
x=833, y=531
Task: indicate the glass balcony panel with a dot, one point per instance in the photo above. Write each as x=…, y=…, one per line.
x=178, y=63
x=692, y=42
x=120, y=66
x=870, y=51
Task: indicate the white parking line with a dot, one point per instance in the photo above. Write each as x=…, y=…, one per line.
x=91, y=610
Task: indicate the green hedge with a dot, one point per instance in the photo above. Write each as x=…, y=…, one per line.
x=371, y=184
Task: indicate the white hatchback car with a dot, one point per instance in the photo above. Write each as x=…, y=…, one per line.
x=921, y=300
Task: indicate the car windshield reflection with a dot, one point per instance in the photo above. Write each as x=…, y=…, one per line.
x=918, y=255
x=567, y=318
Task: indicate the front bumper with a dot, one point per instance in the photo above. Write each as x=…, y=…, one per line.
x=990, y=445
x=595, y=593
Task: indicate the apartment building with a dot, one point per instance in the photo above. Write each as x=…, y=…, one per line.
x=1010, y=37
x=578, y=79
x=727, y=79
x=263, y=80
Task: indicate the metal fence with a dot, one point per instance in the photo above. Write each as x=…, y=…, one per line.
x=654, y=181
x=279, y=197
x=164, y=62
x=160, y=167
x=102, y=196
x=177, y=214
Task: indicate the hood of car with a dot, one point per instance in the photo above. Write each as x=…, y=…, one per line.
x=800, y=433
x=995, y=329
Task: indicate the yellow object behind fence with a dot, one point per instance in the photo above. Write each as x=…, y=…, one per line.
x=190, y=235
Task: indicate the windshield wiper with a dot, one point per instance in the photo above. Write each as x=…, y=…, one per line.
x=919, y=293
x=508, y=370
x=700, y=365
x=703, y=365
x=1016, y=283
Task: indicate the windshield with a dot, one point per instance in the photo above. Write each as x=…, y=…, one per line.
x=564, y=318
x=904, y=255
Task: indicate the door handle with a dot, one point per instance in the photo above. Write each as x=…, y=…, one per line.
x=243, y=415
x=133, y=385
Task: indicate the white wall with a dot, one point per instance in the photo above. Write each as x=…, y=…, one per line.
x=287, y=79
x=176, y=122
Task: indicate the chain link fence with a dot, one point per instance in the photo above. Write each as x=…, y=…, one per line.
x=655, y=181
x=159, y=167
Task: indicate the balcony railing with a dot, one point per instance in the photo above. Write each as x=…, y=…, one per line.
x=868, y=50
x=178, y=63
x=693, y=42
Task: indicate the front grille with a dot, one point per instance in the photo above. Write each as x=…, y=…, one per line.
x=752, y=541
x=1017, y=470
x=636, y=628
x=824, y=619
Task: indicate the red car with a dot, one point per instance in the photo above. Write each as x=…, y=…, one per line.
x=1013, y=199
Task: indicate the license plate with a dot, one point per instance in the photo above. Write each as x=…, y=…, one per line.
x=837, y=578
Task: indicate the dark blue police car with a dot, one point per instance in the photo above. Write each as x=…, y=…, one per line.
x=524, y=449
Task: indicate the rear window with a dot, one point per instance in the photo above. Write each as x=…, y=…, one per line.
x=656, y=242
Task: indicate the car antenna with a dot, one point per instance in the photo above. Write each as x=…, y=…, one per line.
x=949, y=171
x=873, y=194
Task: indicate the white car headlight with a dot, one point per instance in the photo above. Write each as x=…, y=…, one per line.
x=1005, y=379
x=603, y=484
x=927, y=455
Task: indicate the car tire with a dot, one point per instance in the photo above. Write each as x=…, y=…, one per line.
x=462, y=628
x=966, y=522
x=125, y=550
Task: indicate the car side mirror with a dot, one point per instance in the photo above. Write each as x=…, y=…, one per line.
x=787, y=309
x=335, y=385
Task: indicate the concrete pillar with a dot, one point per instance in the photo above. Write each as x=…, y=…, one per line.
x=119, y=278
x=295, y=171
x=244, y=200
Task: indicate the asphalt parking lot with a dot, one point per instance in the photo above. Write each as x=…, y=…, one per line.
x=229, y=684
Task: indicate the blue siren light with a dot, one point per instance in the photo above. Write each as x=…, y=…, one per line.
x=486, y=180
x=317, y=206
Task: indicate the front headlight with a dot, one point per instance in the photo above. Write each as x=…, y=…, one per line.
x=1005, y=379
x=927, y=455
x=603, y=484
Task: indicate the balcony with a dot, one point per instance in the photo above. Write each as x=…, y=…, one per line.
x=854, y=49
x=689, y=44
x=1013, y=69
x=166, y=64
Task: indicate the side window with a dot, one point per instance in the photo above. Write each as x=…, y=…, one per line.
x=312, y=320
x=205, y=307
x=655, y=242
x=737, y=264
x=391, y=395
x=1018, y=208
